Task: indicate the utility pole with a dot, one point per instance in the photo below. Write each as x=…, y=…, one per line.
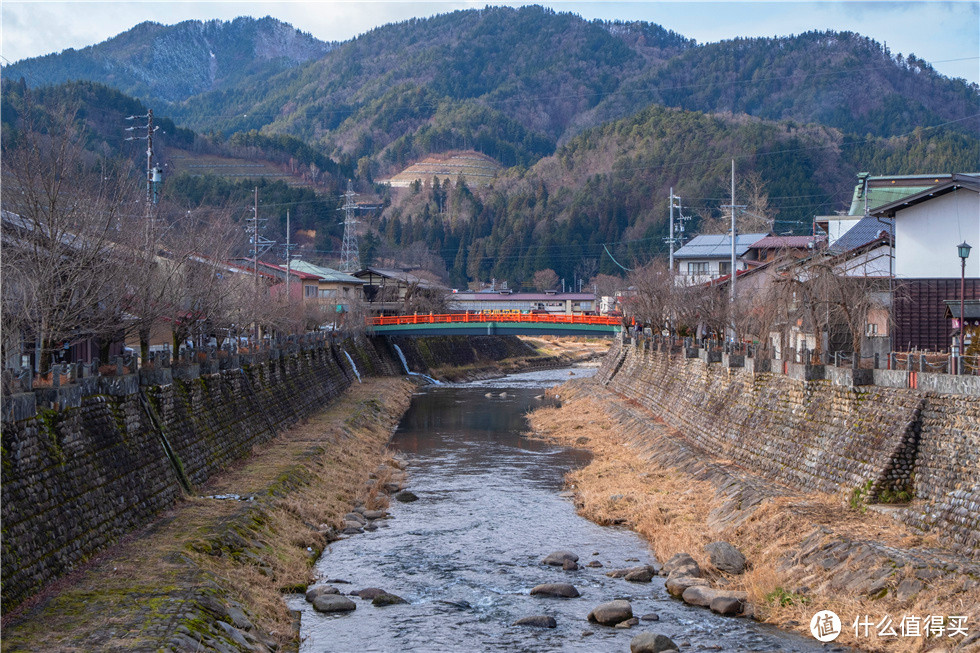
x=675, y=203
x=734, y=207
x=288, y=259
x=349, y=255
x=151, y=172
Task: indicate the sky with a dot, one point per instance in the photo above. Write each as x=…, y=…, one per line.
x=945, y=34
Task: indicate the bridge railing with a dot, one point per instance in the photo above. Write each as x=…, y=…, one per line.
x=446, y=318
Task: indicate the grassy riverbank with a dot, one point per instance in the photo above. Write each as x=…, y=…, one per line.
x=211, y=572
x=805, y=553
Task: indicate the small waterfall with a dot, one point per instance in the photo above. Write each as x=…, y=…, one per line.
x=353, y=367
x=409, y=372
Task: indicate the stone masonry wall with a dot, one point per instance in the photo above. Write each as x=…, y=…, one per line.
x=815, y=435
x=77, y=480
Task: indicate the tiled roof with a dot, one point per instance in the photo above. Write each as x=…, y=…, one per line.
x=887, y=189
x=866, y=230
x=324, y=273
x=717, y=246
x=797, y=242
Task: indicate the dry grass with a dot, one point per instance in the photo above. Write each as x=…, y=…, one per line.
x=310, y=475
x=672, y=511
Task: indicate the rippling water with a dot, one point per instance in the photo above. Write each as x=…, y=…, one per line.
x=466, y=555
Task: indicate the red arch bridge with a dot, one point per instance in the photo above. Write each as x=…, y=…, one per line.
x=484, y=324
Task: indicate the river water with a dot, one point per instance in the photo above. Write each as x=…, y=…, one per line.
x=467, y=553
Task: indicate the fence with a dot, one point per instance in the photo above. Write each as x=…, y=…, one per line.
x=914, y=362
x=189, y=362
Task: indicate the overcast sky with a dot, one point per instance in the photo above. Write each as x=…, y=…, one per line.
x=946, y=34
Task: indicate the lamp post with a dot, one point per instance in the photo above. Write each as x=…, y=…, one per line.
x=963, y=250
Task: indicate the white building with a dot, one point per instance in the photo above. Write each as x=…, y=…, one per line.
x=930, y=224
x=709, y=256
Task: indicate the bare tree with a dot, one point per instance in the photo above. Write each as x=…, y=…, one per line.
x=545, y=279
x=651, y=295
x=64, y=210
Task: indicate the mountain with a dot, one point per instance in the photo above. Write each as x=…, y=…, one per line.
x=168, y=63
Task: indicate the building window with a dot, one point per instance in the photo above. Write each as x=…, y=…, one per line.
x=309, y=291
x=697, y=269
x=725, y=267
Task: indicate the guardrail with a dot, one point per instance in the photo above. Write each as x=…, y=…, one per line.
x=447, y=318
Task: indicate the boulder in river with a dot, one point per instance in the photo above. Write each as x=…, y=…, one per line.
x=641, y=574
x=727, y=605
x=703, y=596
x=369, y=592
x=537, y=621
x=386, y=598
x=569, y=565
x=647, y=642
x=726, y=557
x=321, y=590
x=558, y=558
x=406, y=496
x=611, y=613
x=562, y=590
x=677, y=584
x=333, y=603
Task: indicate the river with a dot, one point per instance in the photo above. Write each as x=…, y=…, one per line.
x=467, y=553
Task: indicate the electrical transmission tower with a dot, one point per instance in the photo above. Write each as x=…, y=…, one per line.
x=350, y=257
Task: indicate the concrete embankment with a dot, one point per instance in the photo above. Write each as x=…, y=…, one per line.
x=118, y=489
x=689, y=455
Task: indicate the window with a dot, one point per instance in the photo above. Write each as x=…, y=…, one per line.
x=697, y=269
x=309, y=291
x=725, y=267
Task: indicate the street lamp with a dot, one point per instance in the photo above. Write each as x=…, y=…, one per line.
x=963, y=250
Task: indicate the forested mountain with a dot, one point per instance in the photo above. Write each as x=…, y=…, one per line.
x=607, y=188
x=169, y=63
x=596, y=121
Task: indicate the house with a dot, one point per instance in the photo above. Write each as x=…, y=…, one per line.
x=709, y=256
x=554, y=303
x=390, y=291
x=871, y=193
x=928, y=227
x=333, y=286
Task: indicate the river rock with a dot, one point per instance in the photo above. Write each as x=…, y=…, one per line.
x=406, y=496
x=653, y=616
x=594, y=563
x=369, y=593
x=569, y=565
x=374, y=514
x=703, y=596
x=386, y=598
x=727, y=605
x=538, y=621
x=682, y=564
x=629, y=623
x=726, y=557
x=647, y=642
x=611, y=613
x=355, y=517
x=558, y=558
x=333, y=603
x=321, y=590
x=677, y=584
x=562, y=590
x=642, y=574
x=352, y=530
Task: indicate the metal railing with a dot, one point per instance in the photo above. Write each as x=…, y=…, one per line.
x=447, y=318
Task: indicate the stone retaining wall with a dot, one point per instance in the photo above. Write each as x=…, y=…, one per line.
x=77, y=479
x=867, y=441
